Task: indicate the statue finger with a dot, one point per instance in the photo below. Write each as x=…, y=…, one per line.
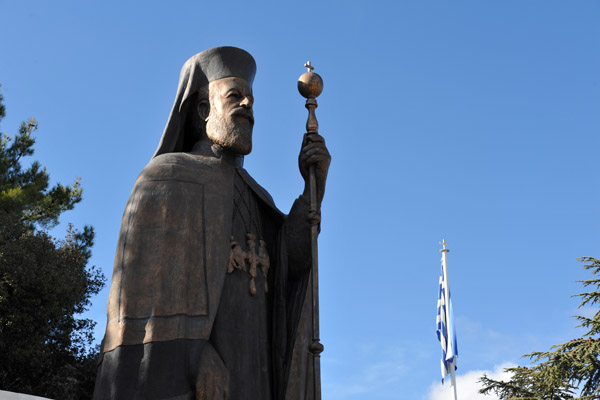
x=318, y=160
x=313, y=138
x=304, y=155
x=320, y=146
x=317, y=151
x=316, y=138
x=306, y=139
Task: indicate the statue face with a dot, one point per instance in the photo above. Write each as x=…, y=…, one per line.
x=231, y=120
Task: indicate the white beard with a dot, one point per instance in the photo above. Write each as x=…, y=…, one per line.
x=229, y=134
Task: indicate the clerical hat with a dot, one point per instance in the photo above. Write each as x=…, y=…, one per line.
x=222, y=62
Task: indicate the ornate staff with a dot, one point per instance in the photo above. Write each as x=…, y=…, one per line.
x=310, y=86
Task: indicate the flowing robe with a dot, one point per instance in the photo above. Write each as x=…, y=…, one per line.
x=170, y=269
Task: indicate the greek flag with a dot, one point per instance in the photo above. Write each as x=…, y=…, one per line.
x=445, y=323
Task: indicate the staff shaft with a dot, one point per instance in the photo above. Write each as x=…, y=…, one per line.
x=316, y=346
x=310, y=86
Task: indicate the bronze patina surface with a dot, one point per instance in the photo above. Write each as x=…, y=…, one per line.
x=209, y=296
x=310, y=86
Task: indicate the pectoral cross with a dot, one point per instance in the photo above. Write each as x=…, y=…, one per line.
x=251, y=257
x=255, y=258
x=263, y=261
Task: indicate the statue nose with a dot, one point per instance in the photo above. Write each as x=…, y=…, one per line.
x=246, y=102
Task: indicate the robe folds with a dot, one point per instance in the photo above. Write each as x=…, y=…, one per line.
x=171, y=264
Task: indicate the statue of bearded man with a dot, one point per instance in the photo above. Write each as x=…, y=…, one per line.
x=208, y=292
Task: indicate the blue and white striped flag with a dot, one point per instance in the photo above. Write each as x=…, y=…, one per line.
x=445, y=322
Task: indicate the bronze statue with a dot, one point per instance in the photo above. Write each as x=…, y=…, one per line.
x=208, y=293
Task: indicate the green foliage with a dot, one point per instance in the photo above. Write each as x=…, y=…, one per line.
x=567, y=369
x=25, y=192
x=44, y=282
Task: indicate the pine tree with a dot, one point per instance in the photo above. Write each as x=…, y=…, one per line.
x=567, y=370
x=44, y=282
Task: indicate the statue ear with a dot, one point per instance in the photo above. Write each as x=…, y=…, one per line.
x=203, y=109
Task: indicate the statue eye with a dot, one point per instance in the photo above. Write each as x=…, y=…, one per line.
x=233, y=95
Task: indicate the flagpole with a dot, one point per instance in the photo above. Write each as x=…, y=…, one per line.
x=453, y=376
x=444, y=252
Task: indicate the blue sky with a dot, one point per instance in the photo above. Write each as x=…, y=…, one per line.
x=473, y=121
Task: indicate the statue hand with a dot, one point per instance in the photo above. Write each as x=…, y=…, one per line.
x=314, y=152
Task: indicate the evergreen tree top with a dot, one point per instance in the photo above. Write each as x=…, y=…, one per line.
x=566, y=369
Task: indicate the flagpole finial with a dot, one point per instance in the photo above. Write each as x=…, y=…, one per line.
x=444, y=244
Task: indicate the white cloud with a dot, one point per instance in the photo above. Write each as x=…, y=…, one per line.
x=374, y=372
x=467, y=385
x=371, y=377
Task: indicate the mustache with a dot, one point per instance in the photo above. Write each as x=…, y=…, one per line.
x=243, y=112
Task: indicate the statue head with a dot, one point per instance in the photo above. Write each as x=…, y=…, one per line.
x=227, y=113
x=213, y=103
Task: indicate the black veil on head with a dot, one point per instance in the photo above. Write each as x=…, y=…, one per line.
x=199, y=71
